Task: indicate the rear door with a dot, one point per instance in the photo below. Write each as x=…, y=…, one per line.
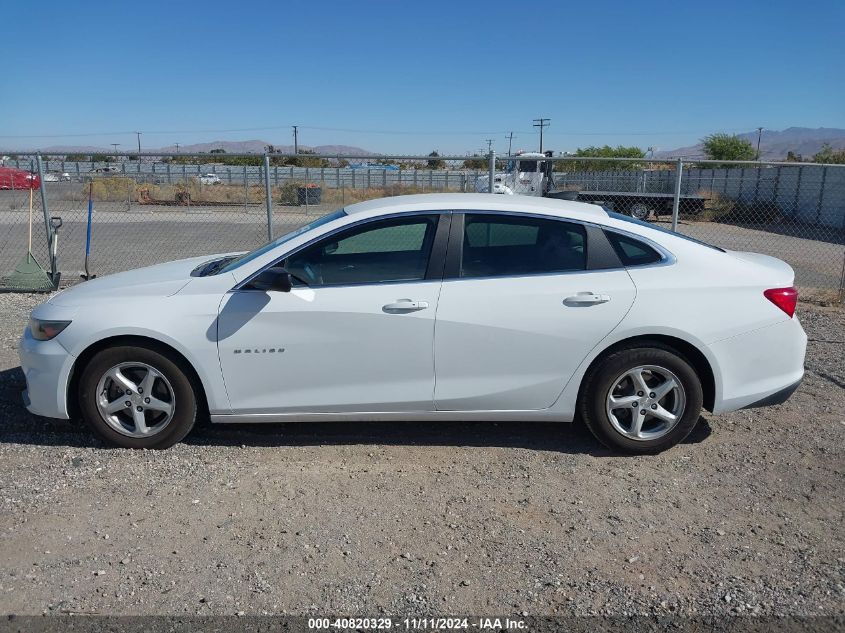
x=522, y=304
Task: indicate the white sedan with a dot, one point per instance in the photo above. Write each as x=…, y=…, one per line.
x=210, y=179
x=425, y=308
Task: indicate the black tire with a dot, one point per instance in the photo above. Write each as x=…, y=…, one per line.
x=184, y=411
x=599, y=381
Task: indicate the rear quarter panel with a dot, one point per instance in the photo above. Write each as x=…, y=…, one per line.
x=704, y=297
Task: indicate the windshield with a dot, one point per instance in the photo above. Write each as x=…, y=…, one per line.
x=628, y=218
x=527, y=165
x=258, y=252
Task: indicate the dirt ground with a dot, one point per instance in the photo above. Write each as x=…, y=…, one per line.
x=745, y=517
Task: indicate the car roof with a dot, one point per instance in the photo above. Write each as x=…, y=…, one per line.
x=480, y=202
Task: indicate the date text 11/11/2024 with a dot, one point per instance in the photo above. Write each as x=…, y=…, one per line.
x=418, y=624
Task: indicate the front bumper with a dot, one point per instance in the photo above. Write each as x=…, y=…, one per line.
x=46, y=366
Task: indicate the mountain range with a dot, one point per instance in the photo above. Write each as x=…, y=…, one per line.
x=254, y=146
x=774, y=144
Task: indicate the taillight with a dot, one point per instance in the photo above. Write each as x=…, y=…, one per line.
x=784, y=298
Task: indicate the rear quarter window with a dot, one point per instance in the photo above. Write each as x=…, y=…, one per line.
x=631, y=251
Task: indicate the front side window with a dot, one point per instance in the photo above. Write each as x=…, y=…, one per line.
x=258, y=252
x=498, y=245
x=392, y=250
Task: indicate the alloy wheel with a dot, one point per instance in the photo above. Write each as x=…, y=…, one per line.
x=135, y=399
x=645, y=402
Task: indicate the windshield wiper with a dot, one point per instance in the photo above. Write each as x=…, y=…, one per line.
x=217, y=264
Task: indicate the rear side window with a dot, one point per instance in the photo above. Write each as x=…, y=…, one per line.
x=659, y=229
x=498, y=245
x=631, y=251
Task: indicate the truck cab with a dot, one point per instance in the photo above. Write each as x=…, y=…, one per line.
x=526, y=173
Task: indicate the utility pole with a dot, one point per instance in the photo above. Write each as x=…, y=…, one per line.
x=139, y=143
x=114, y=145
x=295, y=140
x=759, y=135
x=489, y=145
x=541, y=123
x=510, y=142
x=177, y=147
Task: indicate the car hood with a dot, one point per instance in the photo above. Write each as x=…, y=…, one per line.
x=161, y=280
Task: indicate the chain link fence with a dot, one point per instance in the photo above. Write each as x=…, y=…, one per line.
x=155, y=208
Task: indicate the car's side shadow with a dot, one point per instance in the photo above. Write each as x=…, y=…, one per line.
x=18, y=426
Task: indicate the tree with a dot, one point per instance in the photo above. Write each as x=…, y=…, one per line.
x=606, y=151
x=792, y=157
x=434, y=163
x=476, y=162
x=305, y=158
x=77, y=158
x=219, y=150
x=728, y=147
x=830, y=155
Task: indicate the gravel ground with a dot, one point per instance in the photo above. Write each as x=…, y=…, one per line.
x=745, y=517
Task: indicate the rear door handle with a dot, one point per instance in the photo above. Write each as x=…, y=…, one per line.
x=403, y=306
x=586, y=299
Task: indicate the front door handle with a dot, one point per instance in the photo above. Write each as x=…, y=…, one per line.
x=586, y=299
x=403, y=306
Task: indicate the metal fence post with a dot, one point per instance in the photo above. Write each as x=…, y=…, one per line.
x=44, y=205
x=491, y=170
x=819, y=207
x=676, y=202
x=246, y=191
x=268, y=198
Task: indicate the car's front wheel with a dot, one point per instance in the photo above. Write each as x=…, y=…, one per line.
x=135, y=397
x=641, y=399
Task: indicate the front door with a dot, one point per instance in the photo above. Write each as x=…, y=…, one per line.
x=355, y=334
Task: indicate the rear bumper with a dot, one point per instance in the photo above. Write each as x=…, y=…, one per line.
x=46, y=366
x=759, y=368
x=779, y=397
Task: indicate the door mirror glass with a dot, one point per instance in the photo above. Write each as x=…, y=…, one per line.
x=275, y=279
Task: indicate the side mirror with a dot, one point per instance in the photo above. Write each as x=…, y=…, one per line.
x=329, y=248
x=276, y=279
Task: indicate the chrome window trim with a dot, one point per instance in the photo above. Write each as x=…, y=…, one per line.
x=668, y=259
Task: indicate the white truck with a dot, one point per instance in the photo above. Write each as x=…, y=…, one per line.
x=524, y=174
x=532, y=174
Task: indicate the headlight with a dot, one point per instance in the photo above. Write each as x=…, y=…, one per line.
x=45, y=330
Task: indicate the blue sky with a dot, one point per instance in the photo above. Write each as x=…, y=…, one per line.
x=410, y=77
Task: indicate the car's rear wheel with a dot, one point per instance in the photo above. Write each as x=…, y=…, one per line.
x=641, y=399
x=135, y=397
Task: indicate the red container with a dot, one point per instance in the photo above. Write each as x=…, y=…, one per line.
x=11, y=178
